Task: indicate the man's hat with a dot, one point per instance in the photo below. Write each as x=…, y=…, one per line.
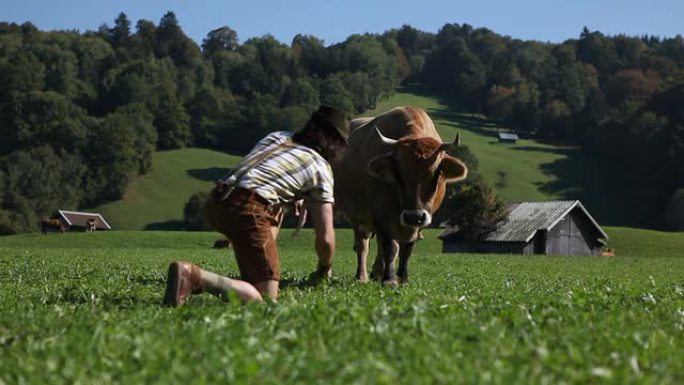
x=333, y=117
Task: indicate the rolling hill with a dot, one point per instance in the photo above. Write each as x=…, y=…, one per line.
x=533, y=170
x=519, y=162
x=527, y=170
x=155, y=201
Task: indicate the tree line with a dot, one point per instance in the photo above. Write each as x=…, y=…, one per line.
x=81, y=113
x=619, y=97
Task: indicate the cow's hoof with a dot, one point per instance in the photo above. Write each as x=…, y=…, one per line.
x=403, y=281
x=390, y=282
x=362, y=278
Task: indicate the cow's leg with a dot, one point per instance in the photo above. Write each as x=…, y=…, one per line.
x=361, y=248
x=390, y=248
x=405, y=251
x=378, y=270
x=378, y=265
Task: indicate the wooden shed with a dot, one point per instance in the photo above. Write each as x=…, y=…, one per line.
x=508, y=137
x=551, y=228
x=78, y=220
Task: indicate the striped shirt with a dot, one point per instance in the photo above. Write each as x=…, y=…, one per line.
x=288, y=173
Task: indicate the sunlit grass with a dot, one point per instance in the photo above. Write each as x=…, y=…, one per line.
x=84, y=308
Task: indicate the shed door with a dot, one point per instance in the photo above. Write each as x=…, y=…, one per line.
x=539, y=242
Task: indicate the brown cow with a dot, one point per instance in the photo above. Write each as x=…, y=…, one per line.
x=389, y=182
x=608, y=253
x=51, y=225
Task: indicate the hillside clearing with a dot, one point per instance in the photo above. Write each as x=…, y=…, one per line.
x=521, y=162
x=527, y=170
x=155, y=201
x=532, y=170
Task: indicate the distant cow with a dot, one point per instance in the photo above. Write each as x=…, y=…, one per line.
x=608, y=253
x=390, y=181
x=222, y=244
x=50, y=225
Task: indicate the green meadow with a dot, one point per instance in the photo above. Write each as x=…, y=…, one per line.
x=526, y=170
x=84, y=309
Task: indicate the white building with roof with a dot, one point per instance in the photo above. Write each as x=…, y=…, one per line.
x=73, y=220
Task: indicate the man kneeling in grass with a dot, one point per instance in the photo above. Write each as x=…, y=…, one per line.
x=246, y=207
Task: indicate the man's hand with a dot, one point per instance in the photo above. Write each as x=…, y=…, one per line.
x=322, y=217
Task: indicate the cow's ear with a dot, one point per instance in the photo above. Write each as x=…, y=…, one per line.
x=453, y=169
x=380, y=167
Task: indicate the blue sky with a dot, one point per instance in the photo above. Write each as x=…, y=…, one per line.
x=334, y=21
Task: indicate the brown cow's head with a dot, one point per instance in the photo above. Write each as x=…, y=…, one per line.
x=420, y=169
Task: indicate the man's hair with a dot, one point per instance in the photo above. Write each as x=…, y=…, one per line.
x=322, y=138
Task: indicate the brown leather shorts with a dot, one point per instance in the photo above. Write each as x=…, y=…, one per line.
x=246, y=219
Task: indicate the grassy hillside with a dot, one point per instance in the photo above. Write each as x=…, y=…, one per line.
x=531, y=171
x=637, y=242
x=155, y=201
x=538, y=171
x=520, y=162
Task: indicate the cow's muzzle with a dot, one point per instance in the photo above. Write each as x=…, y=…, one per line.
x=415, y=218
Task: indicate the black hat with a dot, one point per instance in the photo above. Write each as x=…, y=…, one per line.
x=334, y=117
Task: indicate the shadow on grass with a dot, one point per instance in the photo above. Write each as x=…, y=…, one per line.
x=307, y=282
x=604, y=187
x=210, y=174
x=171, y=225
x=460, y=120
x=453, y=114
x=550, y=150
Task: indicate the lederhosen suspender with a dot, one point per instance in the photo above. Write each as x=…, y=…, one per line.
x=225, y=188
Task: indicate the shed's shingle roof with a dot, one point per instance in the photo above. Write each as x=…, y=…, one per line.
x=526, y=218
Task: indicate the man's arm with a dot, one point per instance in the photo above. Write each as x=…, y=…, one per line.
x=322, y=217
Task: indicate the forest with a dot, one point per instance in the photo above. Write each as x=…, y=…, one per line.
x=82, y=112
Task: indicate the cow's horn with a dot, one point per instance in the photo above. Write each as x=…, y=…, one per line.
x=385, y=139
x=452, y=145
